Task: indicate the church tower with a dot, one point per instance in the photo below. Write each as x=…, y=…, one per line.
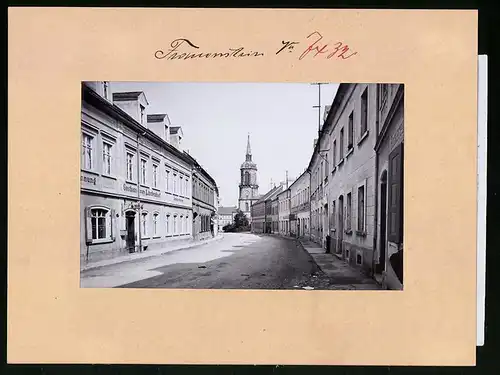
x=249, y=189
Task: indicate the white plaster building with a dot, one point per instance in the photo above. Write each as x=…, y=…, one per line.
x=300, y=206
x=284, y=212
x=135, y=186
x=390, y=186
x=226, y=216
x=343, y=175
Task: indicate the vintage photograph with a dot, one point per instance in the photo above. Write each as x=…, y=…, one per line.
x=295, y=186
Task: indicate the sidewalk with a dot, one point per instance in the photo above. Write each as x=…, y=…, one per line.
x=338, y=270
x=148, y=254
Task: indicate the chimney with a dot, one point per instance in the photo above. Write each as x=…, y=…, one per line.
x=134, y=103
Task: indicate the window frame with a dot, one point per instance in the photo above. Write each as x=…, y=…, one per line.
x=361, y=230
x=144, y=225
x=92, y=137
x=109, y=225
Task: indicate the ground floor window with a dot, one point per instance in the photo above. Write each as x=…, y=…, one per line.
x=98, y=219
x=99, y=224
x=144, y=224
x=155, y=224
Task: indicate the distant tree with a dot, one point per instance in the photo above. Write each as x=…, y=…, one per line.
x=240, y=220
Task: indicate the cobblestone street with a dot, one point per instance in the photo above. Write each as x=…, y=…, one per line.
x=238, y=261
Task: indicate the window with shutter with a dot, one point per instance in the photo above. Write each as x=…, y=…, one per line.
x=395, y=182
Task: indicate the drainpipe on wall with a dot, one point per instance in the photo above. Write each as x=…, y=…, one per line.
x=310, y=210
x=375, y=226
x=139, y=192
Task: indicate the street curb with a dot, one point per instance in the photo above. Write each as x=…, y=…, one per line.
x=308, y=253
x=303, y=247
x=91, y=267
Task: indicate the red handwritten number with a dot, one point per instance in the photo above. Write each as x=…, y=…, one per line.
x=337, y=50
x=337, y=47
x=312, y=46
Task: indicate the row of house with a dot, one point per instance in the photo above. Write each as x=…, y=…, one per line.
x=139, y=189
x=350, y=198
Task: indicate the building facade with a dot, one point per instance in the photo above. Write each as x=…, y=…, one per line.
x=205, y=198
x=248, y=188
x=300, y=207
x=261, y=211
x=390, y=184
x=134, y=184
x=284, y=212
x=226, y=216
x=274, y=215
x=343, y=175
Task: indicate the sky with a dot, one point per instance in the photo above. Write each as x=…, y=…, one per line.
x=216, y=119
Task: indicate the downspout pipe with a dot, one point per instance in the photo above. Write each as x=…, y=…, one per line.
x=376, y=181
x=310, y=210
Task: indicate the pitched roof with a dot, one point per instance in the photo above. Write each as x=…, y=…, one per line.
x=227, y=210
x=270, y=194
x=129, y=95
x=157, y=117
x=174, y=129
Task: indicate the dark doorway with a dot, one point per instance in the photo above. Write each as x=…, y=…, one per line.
x=298, y=227
x=383, y=222
x=130, y=236
x=340, y=236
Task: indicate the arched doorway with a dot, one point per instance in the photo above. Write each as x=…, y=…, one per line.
x=130, y=228
x=340, y=236
x=383, y=222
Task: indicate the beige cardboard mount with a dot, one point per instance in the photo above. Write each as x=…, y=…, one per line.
x=52, y=320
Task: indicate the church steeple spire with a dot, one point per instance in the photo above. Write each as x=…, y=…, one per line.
x=249, y=150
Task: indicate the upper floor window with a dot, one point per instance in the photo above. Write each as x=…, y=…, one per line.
x=87, y=151
x=130, y=166
x=106, y=157
x=144, y=168
x=334, y=154
x=364, y=113
x=350, y=131
x=155, y=175
x=341, y=143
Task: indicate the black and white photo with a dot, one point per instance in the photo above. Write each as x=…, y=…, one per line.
x=295, y=186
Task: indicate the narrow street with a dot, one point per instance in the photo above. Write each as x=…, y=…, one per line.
x=237, y=261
